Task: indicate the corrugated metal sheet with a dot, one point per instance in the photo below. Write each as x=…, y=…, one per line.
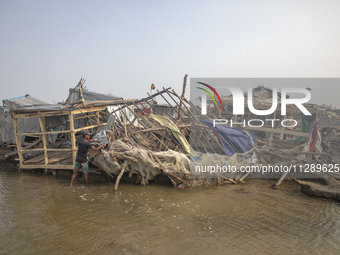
x=48, y=107
x=22, y=101
x=28, y=125
x=90, y=96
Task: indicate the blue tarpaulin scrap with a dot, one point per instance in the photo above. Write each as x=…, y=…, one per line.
x=233, y=140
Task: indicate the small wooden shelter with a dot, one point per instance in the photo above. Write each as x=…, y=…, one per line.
x=52, y=154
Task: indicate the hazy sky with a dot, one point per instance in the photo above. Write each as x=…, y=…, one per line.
x=121, y=47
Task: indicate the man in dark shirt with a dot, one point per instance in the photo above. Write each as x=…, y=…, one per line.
x=81, y=160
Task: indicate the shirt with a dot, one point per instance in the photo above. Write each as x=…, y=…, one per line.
x=83, y=147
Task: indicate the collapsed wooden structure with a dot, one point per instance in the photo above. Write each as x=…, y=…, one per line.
x=141, y=129
x=159, y=134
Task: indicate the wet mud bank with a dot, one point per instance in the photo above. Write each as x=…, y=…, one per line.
x=325, y=188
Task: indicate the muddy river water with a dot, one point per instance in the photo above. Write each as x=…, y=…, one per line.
x=43, y=215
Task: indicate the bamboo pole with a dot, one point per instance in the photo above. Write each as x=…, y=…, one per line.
x=42, y=121
x=73, y=138
x=17, y=139
x=118, y=179
x=184, y=88
x=143, y=99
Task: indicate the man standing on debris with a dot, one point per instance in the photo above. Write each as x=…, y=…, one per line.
x=81, y=160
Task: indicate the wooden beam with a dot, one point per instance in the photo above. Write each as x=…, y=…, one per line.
x=183, y=91
x=42, y=149
x=38, y=114
x=35, y=113
x=98, y=122
x=42, y=122
x=73, y=139
x=118, y=179
x=17, y=139
x=89, y=109
x=47, y=132
x=42, y=166
x=88, y=127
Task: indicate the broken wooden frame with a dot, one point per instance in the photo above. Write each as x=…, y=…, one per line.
x=53, y=157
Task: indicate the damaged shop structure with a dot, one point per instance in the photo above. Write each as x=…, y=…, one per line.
x=164, y=135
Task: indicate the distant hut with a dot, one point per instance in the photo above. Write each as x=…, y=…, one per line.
x=25, y=125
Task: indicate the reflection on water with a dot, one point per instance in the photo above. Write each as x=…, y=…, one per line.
x=42, y=215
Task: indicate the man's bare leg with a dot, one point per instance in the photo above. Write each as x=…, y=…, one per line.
x=74, y=176
x=86, y=178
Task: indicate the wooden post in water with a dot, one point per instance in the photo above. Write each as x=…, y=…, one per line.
x=73, y=138
x=17, y=139
x=183, y=91
x=42, y=122
x=118, y=179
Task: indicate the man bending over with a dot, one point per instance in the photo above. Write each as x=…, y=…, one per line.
x=81, y=160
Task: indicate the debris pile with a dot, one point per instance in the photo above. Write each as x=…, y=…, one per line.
x=166, y=135
x=149, y=139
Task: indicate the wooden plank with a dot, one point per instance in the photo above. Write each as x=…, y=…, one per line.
x=42, y=157
x=20, y=113
x=35, y=113
x=84, y=116
x=42, y=149
x=88, y=127
x=51, y=155
x=97, y=122
x=47, y=132
x=42, y=166
x=67, y=161
x=42, y=122
x=73, y=139
x=89, y=109
x=36, y=160
x=17, y=139
x=60, y=158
